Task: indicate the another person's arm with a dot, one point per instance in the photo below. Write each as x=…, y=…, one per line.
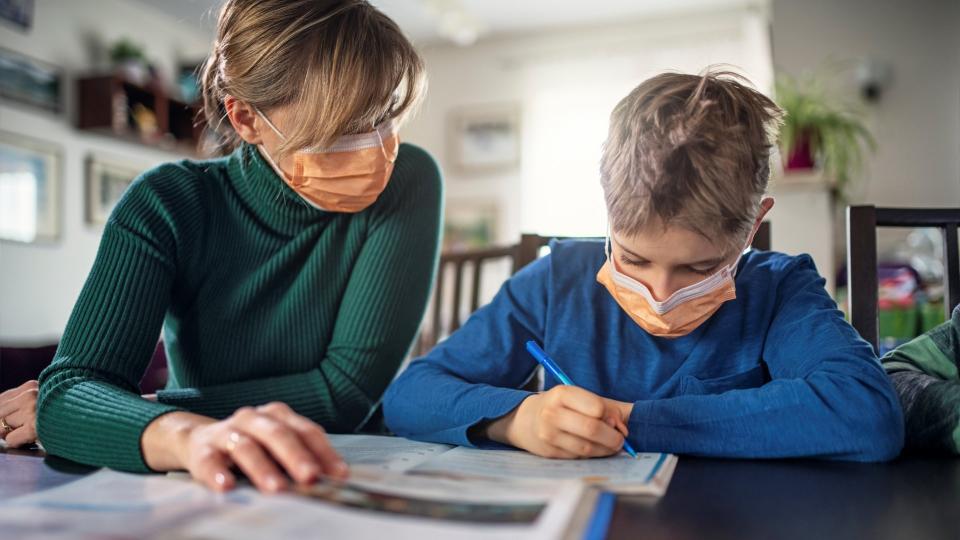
x=924, y=372
x=378, y=319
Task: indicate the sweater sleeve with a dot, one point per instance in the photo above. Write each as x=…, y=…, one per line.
x=924, y=372
x=476, y=374
x=378, y=318
x=828, y=396
x=89, y=409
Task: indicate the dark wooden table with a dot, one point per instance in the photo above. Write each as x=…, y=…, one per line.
x=911, y=499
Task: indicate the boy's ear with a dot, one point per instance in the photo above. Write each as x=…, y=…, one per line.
x=244, y=119
x=766, y=204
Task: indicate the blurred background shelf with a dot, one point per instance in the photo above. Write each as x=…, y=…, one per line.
x=113, y=106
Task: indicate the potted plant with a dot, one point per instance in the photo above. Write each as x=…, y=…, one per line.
x=129, y=60
x=820, y=134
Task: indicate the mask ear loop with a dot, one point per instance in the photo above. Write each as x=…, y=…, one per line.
x=383, y=146
x=269, y=123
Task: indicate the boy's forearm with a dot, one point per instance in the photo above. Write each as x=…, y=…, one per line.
x=783, y=419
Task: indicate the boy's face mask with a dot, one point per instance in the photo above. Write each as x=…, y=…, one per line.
x=347, y=176
x=678, y=315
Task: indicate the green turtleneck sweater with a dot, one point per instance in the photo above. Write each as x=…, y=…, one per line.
x=260, y=297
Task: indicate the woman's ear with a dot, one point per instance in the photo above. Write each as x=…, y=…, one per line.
x=244, y=120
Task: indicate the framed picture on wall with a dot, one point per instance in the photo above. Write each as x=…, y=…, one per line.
x=30, y=81
x=18, y=13
x=470, y=224
x=107, y=180
x=485, y=139
x=29, y=189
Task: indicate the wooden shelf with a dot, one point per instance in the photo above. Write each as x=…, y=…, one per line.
x=105, y=105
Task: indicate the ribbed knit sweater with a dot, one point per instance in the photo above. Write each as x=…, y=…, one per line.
x=260, y=298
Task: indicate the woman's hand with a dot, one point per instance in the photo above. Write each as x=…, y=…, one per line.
x=18, y=414
x=262, y=442
x=564, y=422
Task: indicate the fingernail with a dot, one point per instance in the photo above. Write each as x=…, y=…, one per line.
x=273, y=483
x=309, y=471
x=340, y=468
x=220, y=479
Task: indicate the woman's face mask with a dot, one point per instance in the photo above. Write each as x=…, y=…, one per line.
x=347, y=176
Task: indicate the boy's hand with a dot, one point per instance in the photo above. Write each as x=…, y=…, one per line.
x=564, y=422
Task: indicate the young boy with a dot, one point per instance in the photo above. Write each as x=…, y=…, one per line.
x=925, y=374
x=677, y=339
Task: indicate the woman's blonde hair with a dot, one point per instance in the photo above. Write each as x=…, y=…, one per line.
x=342, y=64
x=690, y=150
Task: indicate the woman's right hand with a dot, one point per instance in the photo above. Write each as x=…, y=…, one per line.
x=262, y=442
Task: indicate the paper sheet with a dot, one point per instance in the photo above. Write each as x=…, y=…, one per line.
x=385, y=453
x=612, y=472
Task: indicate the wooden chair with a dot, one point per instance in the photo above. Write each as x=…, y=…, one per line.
x=862, y=286
x=460, y=262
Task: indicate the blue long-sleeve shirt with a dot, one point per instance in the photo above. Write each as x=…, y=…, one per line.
x=777, y=372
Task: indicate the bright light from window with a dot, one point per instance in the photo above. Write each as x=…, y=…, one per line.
x=18, y=206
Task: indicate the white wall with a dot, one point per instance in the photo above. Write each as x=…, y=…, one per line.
x=566, y=82
x=917, y=120
x=40, y=282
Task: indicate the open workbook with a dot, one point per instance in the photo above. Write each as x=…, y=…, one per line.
x=649, y=474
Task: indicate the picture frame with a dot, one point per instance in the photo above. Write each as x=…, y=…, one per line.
x=485, y=138
x=30, y=81
x=470, y=224
x=30, y=189
x=18, y=13
x=107, y=179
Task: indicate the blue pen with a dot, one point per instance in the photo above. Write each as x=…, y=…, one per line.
x=551, y=366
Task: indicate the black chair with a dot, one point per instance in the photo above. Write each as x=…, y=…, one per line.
x=862, y=286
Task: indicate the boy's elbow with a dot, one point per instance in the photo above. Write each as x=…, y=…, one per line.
x=881, y=432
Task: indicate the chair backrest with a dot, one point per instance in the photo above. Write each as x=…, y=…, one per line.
x=435, y=326
x=862, y=286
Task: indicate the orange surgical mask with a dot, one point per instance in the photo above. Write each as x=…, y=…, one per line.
x=678, y=315
x=347, y=176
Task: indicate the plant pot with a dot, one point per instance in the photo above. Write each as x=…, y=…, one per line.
x=801, y=157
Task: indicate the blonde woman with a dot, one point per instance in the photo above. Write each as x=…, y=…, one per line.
x=288, y=276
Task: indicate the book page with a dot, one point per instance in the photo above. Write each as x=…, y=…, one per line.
x=613, y=471
x=394, y=454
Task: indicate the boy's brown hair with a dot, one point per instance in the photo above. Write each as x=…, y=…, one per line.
x=690, y=150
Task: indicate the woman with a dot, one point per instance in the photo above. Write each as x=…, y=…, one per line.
x=289, y=276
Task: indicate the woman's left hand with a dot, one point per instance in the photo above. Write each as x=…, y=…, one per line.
x=18, y=414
